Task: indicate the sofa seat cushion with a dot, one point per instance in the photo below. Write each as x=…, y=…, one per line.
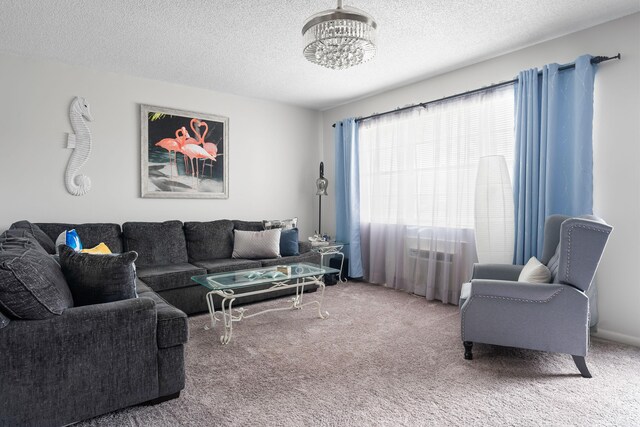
x=171, y=276
x=157, y=243
x=172, y=323
x=32, y=285
x=311, y=257
x=209, y=240
x=224, y=265
x=91, y=234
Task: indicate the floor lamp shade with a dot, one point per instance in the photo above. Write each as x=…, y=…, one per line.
x=494, y=217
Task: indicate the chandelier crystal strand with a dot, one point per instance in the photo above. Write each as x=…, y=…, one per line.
x=339, y=38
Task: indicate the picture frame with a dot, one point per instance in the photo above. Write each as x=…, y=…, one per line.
x=184, y=154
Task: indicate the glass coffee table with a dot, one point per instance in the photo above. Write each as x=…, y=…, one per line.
x=237, y=284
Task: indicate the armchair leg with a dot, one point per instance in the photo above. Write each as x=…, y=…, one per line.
x=468, y=346
x=582, y=366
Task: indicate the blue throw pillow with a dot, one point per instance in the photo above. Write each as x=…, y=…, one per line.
x=289, y=242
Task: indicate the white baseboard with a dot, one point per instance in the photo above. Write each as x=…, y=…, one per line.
x=615, y=336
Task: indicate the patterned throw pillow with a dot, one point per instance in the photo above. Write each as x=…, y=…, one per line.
x=256, y=244
x=285, y=224
x=96, y=279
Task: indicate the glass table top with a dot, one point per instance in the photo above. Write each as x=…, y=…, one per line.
x=257, y=276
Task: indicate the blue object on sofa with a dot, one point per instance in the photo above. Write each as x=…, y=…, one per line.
x=497, y=309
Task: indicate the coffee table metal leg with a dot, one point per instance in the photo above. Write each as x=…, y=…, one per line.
x=227, y=317
x=326, y=313
x=212, y=312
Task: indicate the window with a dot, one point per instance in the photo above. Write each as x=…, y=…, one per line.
x=419, y=167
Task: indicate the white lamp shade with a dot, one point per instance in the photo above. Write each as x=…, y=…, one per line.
x=494, y=218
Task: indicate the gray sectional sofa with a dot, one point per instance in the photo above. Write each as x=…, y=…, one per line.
x=92, y=359
x=170, y=252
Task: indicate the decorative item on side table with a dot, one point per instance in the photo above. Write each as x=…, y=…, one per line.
x=321, y=190
x=494, y=217
x=339, y=38
x=180, y=164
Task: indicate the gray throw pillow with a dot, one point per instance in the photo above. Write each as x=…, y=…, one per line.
x=20, y=239
x=97, y=279
x=42, y=238
x=32, y=285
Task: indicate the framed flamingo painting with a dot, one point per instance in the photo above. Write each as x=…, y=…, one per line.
x=184, y=154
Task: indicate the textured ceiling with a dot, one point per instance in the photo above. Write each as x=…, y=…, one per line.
x=254, y=48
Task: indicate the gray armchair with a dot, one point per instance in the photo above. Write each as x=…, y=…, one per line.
x=496, y=309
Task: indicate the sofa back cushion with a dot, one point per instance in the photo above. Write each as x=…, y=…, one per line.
x=91, y=234
x=44, y=239
x=32, y=285
x=97, y=279
x=209, y=240
x=157, y=243
x=248, y=225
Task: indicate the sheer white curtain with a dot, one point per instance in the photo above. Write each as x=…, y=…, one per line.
x=417, y=183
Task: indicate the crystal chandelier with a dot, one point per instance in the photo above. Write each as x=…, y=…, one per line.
x=339, y=38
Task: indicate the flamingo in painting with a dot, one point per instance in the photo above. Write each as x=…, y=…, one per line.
x=209, y=147
x=194, y=151
x=173, y=144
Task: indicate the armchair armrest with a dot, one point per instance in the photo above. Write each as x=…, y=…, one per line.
x=537, y=316
x=517, y=291
x=496, y=271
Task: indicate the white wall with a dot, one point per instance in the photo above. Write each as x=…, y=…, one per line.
x=616, y=147
x=273, y=149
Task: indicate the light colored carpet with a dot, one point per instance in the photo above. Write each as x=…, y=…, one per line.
x=384, y=358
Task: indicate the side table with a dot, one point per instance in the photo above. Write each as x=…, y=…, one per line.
x=331, y=249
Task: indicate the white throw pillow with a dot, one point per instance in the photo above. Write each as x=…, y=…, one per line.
x=256, y=244
x=534, y=272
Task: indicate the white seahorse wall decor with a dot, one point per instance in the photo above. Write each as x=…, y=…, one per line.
x=80, y=142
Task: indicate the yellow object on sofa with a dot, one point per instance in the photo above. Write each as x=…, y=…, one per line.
x=101, y=249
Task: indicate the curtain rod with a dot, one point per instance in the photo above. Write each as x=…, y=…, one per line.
x=595, y=60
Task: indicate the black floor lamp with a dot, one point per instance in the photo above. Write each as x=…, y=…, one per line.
x=321, y=190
